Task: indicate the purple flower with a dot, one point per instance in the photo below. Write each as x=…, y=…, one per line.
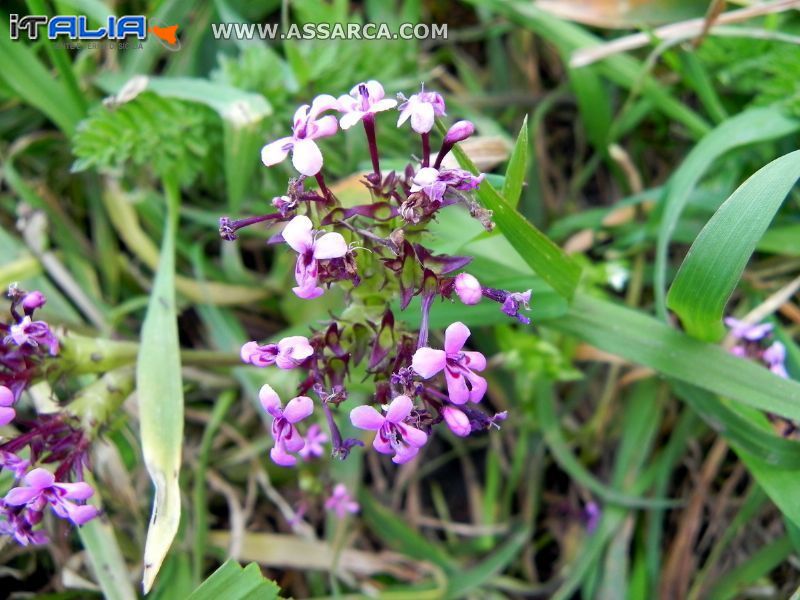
x=17, y=523
x=365, y=99
x=592, y=514
x=289, y=353
x=40, y=489
x=775, y=357
x=315, y=438
x=458, y=365
x=287, y=438
x=306, y=155
x=468, y=288
x=7, y=413
x=341, y=503
x=456, y=420
x=394, y=434
x=298, y=234
x=511, y=305
x=15, y=464
x=458, y=132
x=33, y=333
x=422, y=108
x=745, y=331
x=434, y=182
x=33, y=301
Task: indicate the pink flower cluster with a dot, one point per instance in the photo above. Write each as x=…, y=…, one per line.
x=374, y=251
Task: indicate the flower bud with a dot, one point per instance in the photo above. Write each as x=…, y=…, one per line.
x=457, y=421
x=32, y=301
x=460, y=131
x=468, y=288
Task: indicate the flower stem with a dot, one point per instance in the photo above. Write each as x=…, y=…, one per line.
x=369, y=128
x=323, y=188
x=426, y=149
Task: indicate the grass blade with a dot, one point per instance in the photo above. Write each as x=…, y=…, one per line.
x=749, y=127
x=517, y=167
x=717, y=258
x=160, y=396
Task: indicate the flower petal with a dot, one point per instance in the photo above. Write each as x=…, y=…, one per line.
x=475, y=361
x=457, y=421
x=39, y=479
x=280, y=457
x=21, y=495
x=6, y=396
x=413, y=436
x=366, y=417
x=276, y=151
x=382, y=445
x=330, y=245
x=7, y=414
x=399, y=409
x=270, y=401
x=455, y=336
x=456, y=387
x=292, y=351
x=320, y=104
x=381, y=105
x=477, y=387
x=324, y=127
x=422, y=118
x=307, y=157
x=75, y=491
x=350, y=119
x=297, y=234
x=81, y=514
x=292, y=440
x=427, y=362
x=308, y=292
x=298, y=409
x=405, y=454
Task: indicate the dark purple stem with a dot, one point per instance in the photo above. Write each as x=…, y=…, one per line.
x=228, y=228
x=426, y=149
x=369, y=128
x=446, y=147
x=336, y=436
x=323, y=188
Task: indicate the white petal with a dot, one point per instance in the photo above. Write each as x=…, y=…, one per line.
x=350, y=119
x=297, y=234
x=330, y=245
x=422, y=118
x=306, y=157
x=273, y=153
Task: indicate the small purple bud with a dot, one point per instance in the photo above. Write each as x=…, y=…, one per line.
x=33, y=301
x=460, y=131
x=457, y=421
x=468, y=288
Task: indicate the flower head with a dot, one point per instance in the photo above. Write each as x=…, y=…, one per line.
x=310, y=249
x=459, y=365
x=40, y=488
x=775, y=357
x=33, y=301
x=7, y=413
x=434, y=182
x=745, y=331
x=458, y=132
x=456, y=420
x=422, y=108
x=340, y=502
x=468, y=288
x=513, y=302
x=315, y=438
x=394, y=435
x=308, y=126
x=287, y=438
x=288, y=353
x=365, y=100
x=33, y=333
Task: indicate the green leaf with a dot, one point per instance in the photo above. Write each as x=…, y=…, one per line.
x=647, y=341
x=517, y=167
x=233, y=582
x=160, y=397
x=108, y=566
x=717, y=258
x=749, y=127
x=540, y=252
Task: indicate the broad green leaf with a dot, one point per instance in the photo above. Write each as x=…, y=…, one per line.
x=717, y=258
x=160, y=397
x=544, y=257
x=233, y=582
x=517, y=167
x=647, y=341
x=749, y=127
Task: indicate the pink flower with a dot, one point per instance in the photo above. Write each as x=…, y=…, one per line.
x=15, y=464
x=458, y=365
x=364, y=99
x=340, y=502
x=40, y=489
x=458, y=132
x=468, y=288
x=7, y=413
x=456, y=420
x=298, y=234
x=434, y=182
x=315, y=438
x=33, y=333
x=289, y=353
x=394, y=435
x=306, y=155
x=32, y=301
x=287, y=438
x=422, y=108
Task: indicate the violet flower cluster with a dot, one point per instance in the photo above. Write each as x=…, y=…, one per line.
x=25, y=346
x=374, y=251
x=755, y=342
